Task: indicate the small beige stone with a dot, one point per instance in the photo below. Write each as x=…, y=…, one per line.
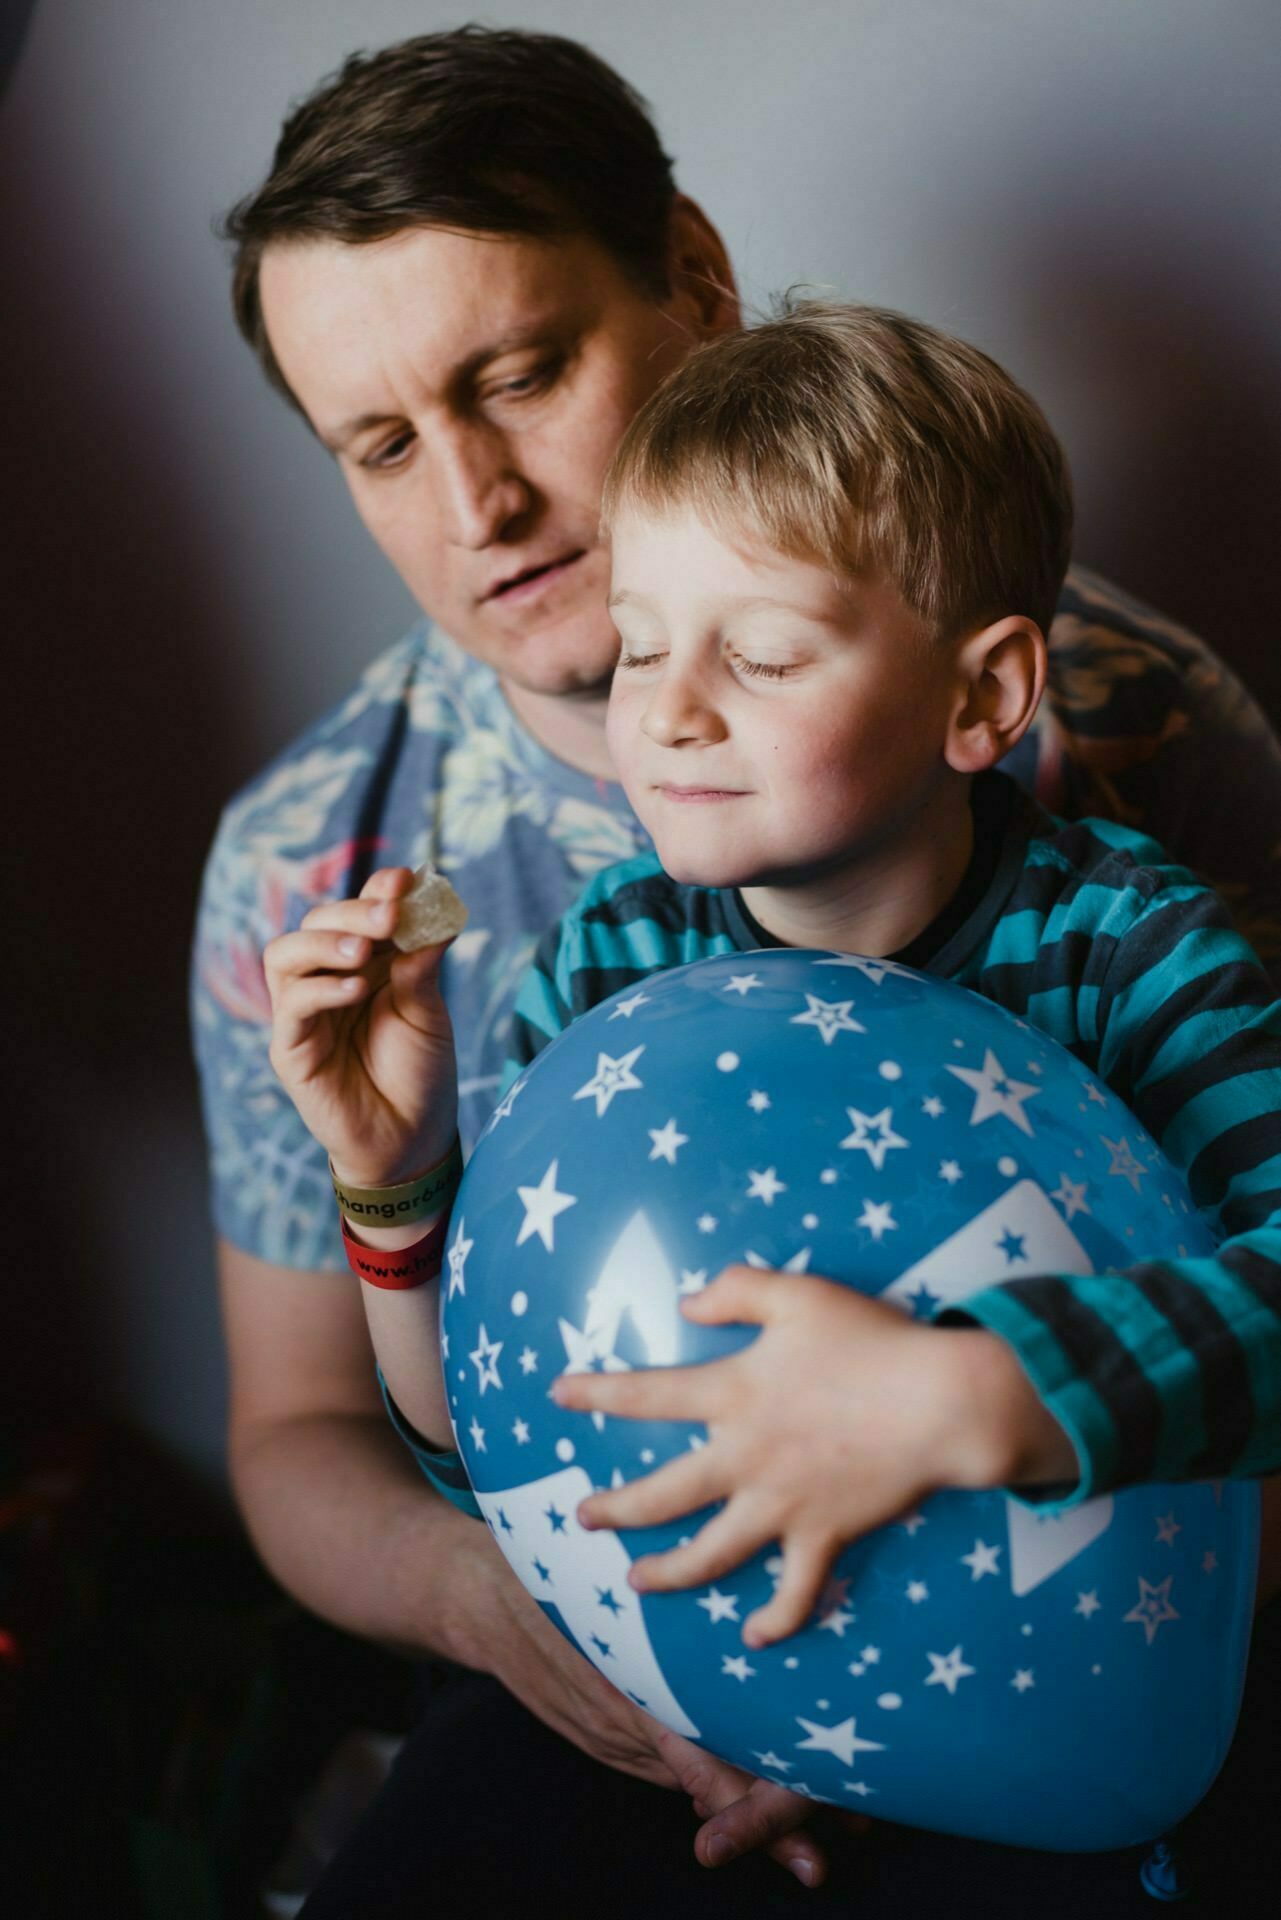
x=429, y=913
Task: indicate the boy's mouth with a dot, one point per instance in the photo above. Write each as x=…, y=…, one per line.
x=694, y=796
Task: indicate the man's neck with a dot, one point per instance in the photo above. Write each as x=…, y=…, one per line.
x=571, y=726
x=881, y=904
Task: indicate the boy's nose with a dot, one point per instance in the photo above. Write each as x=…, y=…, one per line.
x=680, y=714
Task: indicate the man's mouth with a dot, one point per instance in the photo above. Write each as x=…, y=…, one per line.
x=531, y=580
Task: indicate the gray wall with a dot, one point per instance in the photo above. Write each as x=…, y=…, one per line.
x=1091, y=192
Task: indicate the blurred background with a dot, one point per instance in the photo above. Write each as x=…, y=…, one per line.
x=1091, y=193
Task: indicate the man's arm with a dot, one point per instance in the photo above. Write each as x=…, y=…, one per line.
x=348, y=1525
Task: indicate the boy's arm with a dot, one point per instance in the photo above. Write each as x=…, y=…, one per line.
x=1173, y=1372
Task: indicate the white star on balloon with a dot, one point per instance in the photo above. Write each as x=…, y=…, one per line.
x=836, y=1621
x=611, y=1077
x=477, y=1433
x=829, y=1016
x=981, y=1561
x=798, y=1263
x=1087, y=1603
x=1070, y=1195
x=911, y=1524
x=1124, y=1162
x=1166, y=1528
x=626, y=1008
x=736, y=1666
x=587, y=1353
x=878, y=1217
x=529, y=1361
x=485, y=1360
x=873, y=970
x=458, y=1253
x=667, y=1142
x=758, y=1102
x=1152, y=1606
x=542, y=1204
x=996, y=1093
x=932, y=1106
x=869, y=1655
x=917, y=1591
x=741, y=983
x=718, y=1605
x=841, y=1740
x=520, y=1432
x=774, y=1763
x=706, y=1223
x=692, y=1280
x=948, y=1670
x=1023, y=1679
x=949, y=1171
x=1094, y=1092
x=503, y=1110
x=860, y=1787
x=765, y=1186
x=873, y=1135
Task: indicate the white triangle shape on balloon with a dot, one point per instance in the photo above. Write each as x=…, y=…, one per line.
x=1041, y=1542
x=565, y=1567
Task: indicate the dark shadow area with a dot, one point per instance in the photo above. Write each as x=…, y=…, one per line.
x=1172, y=331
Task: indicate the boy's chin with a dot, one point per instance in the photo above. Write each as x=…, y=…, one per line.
x=690, y=871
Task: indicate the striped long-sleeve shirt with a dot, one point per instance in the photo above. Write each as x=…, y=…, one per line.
x=1172, y=1370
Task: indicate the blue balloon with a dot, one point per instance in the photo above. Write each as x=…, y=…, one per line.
x=1066, y=1680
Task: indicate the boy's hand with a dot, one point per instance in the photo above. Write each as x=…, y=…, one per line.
x=842, y=1415
x=361, y=1039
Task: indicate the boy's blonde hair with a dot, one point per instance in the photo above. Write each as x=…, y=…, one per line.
x=870, y=443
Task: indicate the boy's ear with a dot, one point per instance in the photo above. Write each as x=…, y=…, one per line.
x=699, y=272
x=1000, y=677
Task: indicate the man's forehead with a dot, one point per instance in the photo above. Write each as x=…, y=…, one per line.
x=444, y=301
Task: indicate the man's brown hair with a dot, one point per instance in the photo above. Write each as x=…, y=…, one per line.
x=476, y=130
x=868, y=442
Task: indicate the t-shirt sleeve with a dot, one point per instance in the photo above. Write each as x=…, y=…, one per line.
x=269, y=1179
x=1172, y=1370
x=1145, y=725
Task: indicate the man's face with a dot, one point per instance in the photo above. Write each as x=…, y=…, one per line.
x=771, y=724
x=473, y=390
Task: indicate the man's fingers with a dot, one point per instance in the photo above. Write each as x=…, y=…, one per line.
x=679, y=1487
x=805, y=1567
x=651, y=1393
x=769, y=1818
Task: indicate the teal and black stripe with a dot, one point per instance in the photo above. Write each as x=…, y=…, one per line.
x=1135, y=968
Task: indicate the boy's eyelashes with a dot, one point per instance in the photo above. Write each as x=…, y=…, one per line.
x=759, y=669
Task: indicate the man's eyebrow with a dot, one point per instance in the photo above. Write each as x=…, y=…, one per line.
x=530, y=334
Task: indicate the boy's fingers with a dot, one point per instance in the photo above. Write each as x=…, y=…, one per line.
x=679, y=1487
x=651, y=1393
x=387, y=883
x=723, y=1543
x=805, y=1567
x=373, y=918
x=314, y=951
x=297, y=1010
x=738, y=1293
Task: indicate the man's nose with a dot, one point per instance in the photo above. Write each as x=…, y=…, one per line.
x=682, y=711
x=479, y=489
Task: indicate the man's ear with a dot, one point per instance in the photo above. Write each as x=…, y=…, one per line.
x=1000, y=677
x=702, y=281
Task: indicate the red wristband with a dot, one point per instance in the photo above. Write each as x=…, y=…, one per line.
x=402, y=1267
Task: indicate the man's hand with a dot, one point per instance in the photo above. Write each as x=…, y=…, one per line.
x=361, y=1039
x=512, y=1639
x=840, y=1416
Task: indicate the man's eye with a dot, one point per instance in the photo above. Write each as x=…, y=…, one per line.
x=524, y=386
x=390, y=454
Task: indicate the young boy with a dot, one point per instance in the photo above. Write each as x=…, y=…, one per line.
x=837, y=542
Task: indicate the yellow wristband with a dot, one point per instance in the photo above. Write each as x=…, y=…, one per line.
x=430, y=1193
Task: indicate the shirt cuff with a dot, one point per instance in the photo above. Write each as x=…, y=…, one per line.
x=1069, y=1397
x=444, y=1470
